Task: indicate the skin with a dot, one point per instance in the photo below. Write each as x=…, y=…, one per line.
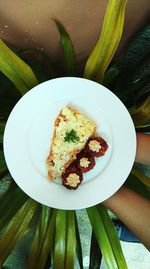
x=131, y=208
x=143, y=148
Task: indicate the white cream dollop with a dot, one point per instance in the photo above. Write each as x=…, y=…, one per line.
x=84, y=162
x=94, y=145
x=72, y=180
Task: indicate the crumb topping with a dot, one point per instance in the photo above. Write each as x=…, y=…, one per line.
x=84, y=162
x=73, y=180
x=94, y=145
x=70, y=136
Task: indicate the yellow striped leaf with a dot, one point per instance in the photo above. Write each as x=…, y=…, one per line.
x=16, y=69
x=108, y=42
x=43, y=239
x=16, y=229
x=107, y=237
x=142, y=177
x=71, y=240
x=95, y=253
x=60, y=240
x=78, y=243
x=137, y=185
x=141, y=115
x=15, y=194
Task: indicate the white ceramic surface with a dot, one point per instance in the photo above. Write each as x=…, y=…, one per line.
x=29, y=131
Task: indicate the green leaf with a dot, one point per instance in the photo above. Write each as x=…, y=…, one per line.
x=9, y=209
x=137, y=185
x=137, y=51
x=113, y=237
x=67, y=48
x=140, y=87
x=8, y=88
x=145, y=180
x=3, y=166
x=134, y=92
x=142, y=94
x=49, y=68
x=131, y=62
x=39, y=62
x=16, y=69
x=142, y=72
x=38, y=71
x=16, y=229
x=141, y=115
x=107, y=237
x=2, y=127
x=43, y=239
x=78, y=244
x=38, y=56
x=70, y=240
x=143, y=128
x=60, y=240
x=6, y=106
x=9, y=96
x=110, y=75
x=95, y=253
x=107, y=44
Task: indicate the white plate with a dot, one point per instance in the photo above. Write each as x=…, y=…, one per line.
x=29, y=130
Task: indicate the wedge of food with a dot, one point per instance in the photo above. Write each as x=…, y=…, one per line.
x=72, y=130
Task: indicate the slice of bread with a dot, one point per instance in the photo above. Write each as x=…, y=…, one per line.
x=71, y=132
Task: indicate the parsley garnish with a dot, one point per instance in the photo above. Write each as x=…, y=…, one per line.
x=71, y=136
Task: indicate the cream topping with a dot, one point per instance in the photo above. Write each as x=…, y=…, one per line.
x=94, y=145
x=73, y=180
x=84, y=162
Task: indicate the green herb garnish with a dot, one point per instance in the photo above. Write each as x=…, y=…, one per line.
x=71, y=136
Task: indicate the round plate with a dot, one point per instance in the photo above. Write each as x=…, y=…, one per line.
x=29, y=130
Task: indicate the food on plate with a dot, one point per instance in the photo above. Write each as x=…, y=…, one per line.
x=96, y=146
x=74, y=147
x=72, y=130
x=85, y=162
x=72, y=177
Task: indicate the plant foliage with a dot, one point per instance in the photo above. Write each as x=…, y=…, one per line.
x=56, y=239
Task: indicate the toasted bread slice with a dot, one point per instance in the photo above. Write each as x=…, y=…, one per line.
x=71, y=132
